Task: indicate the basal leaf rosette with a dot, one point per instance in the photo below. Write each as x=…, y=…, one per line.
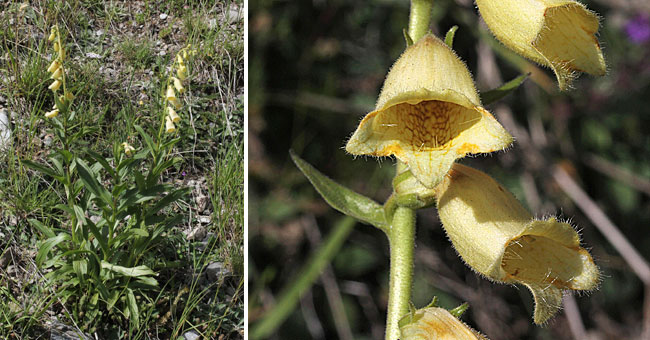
x=436, y=323
x=560, y=34
x=497, y=237
x=428, y=114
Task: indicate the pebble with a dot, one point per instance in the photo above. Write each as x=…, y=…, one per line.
x=163, y=16
x=5, y=129
x=217, y=271
x=190, y=335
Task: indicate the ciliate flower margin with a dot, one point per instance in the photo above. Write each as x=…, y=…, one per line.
x=497, y=237
x=560, y=34
x=436, y=323
x=428, y=114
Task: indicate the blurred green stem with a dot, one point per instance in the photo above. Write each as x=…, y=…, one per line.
x=402, y=241
x=305, y=279
x=419, y=18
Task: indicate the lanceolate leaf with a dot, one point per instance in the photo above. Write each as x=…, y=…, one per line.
x=491, y=96
x=131, y=272
x=47, y=245
x=133, y=307
x=88, y=177
x=342, y=198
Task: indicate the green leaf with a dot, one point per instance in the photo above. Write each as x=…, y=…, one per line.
x=103, y=242
x=342, y=198
x=88, y=177
x=130, y=272
x=147, y=139
x=47, y=245
x=41, y=168
x=45, y=230
x=491, y=96
x=101, y=160
x=80, y=268
x=167, y=200
x=449, y=37
x=133, y=307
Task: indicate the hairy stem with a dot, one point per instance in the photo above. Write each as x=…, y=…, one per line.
x=402, y=241
x=419, y=18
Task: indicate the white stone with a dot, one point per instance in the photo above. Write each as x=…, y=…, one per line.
x=163, y=16
x=5, y=129
x=191, y=335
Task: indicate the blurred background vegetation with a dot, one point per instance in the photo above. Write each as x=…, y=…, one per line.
x=316, y=68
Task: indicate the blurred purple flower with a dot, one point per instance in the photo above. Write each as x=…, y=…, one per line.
x=184, y=173
x=638, y=29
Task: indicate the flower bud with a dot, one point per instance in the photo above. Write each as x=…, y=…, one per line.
x=436, y=323
x=56, y=46
x=169, y=125
x=55, y=85
x=498, y=238
x=52, y=114
x=428, y=114
x=172, y=115
x=69, y=96
x=52, y=35
x=560, y=34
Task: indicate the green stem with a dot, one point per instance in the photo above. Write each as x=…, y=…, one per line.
x=402, y=242
x=308, y=274
x=419, y=18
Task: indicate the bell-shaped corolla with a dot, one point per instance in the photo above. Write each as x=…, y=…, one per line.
x=436, y=323
x=497, y=237
x=428, y=114
x=169, y=125
x=560, y=34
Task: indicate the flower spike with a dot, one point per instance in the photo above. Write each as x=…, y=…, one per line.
x=428, y=114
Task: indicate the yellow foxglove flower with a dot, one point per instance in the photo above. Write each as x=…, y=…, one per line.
x=179, y=59
x=428, y=114
x=182, y=72
x=436, y=323
x=128, y=149
x=497, y=237
x=178, y=85
x=57, y=74
x=560, y=34
x=55, y=85
x=52, y=114
x=169, y=125
x=54, y=66
x=176, y=103
x=171, y=94
x=173, y=115
x=61, y=53
x=52, y=35
x=56, y=47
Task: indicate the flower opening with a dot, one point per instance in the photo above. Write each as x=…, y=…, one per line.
x=428, y=114
x=498, y=238
x=173, y=115
x=169, y=125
